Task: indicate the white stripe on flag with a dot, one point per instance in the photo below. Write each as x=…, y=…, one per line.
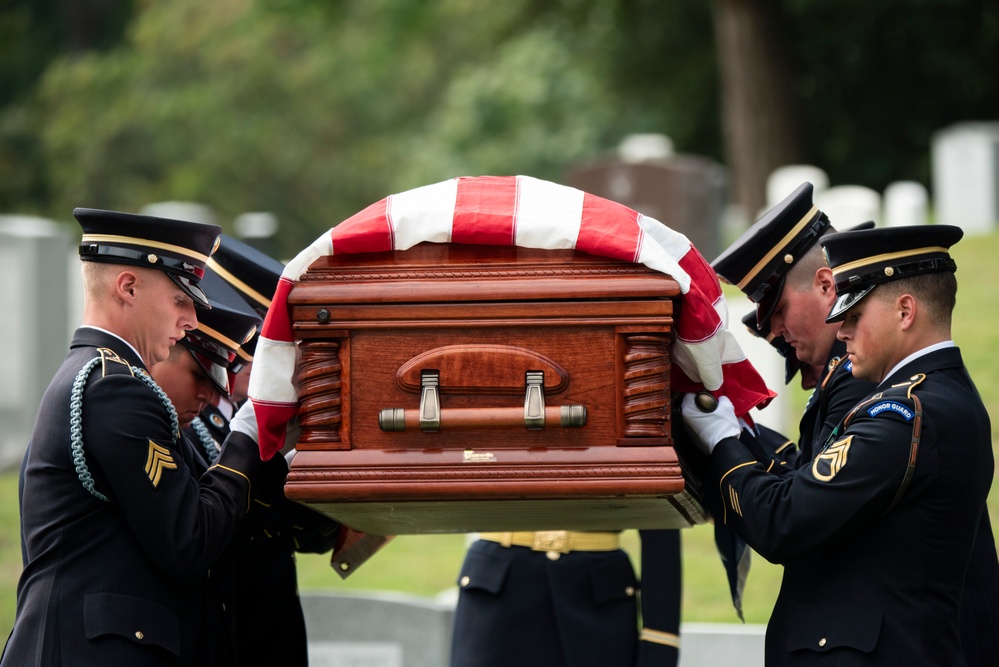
x=273, y=381
x=548, y=215
x=321, y=247
x=663, y=249
x=423, y=214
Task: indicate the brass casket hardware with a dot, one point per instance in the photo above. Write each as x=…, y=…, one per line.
x=430, y=417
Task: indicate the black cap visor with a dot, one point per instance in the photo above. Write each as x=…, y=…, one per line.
x=769, y=296
x=217, y=373
x=191, y=289
x=845, y=302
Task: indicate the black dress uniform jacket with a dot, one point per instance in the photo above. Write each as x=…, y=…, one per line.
x=267, y=620
x=120, y=581
x=876, y=534
x=836, y=393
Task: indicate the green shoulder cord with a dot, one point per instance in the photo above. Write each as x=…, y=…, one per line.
x=76, y=421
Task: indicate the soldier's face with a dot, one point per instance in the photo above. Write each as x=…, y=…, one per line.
x=869, y=332
x=185, y=383
x=800, y=317
x=164, y=312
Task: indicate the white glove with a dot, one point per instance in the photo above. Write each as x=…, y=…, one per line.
x=710, y=427
x=245, y=421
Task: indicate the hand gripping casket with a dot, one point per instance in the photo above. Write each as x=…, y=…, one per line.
x=461, y=388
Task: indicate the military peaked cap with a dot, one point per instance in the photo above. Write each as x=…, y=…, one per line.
x=759, y=260
x=861, y=260
x=221, y=331
x=250, y=272
x=178, y=247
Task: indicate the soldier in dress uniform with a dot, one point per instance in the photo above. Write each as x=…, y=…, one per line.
x=778, y=264
x=567, y=598
x=269, y=620
x=194, y=375
x=118, y=532
x=877, y=531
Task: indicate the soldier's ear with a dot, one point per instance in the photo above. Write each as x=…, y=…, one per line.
x=824, y=281
x=906, y=307
x=125, y=284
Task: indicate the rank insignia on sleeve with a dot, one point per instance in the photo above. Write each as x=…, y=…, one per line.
x=831, y=460
x=891, y=406
x=157, y=460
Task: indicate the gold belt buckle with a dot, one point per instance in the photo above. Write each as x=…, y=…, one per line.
x=551, y=540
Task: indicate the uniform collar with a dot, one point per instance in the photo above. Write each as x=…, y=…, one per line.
x=88, y=334
x=947, y=344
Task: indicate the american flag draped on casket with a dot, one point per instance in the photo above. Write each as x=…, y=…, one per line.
x=526, y=212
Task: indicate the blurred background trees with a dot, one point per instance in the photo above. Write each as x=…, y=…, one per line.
x=312, y=109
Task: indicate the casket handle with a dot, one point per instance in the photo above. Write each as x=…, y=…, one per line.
x=431, y=418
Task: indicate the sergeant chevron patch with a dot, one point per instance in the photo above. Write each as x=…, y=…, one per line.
x=157, y=460
x=831, y=460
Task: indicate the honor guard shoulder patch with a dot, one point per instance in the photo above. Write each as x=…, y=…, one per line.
x=892, y=407
x=157, y=460
x=831, y=460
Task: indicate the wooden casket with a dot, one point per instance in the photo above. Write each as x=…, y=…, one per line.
x=461, y=388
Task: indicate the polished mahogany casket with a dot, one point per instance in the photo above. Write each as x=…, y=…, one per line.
x=461, y=388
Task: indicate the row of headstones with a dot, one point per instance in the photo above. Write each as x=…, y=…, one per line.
x=382, y=629
x=903, y=202
x=965, y=180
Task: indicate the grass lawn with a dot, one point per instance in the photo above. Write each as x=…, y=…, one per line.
x=428, y=565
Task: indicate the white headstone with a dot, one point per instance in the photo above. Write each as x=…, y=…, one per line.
x=849, y=205
x=784, y=180
x=768, y=363
x=906, y=203
x=256, y=225
x=966, y=176
x=644, y=147
x=33, y=272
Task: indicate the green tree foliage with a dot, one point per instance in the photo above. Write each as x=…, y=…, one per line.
x=312, y=109
x=876, y=78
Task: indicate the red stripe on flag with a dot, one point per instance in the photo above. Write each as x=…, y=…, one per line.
x=740, y=382
x=484, y=211
x=277, y=324
x=366, y=231
x=700, y=320
x=608, y=229
x=272, y=422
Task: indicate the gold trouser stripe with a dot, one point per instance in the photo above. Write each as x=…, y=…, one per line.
x=660, y=637
x=557, y=540
x=784, y=242
x=145, y=243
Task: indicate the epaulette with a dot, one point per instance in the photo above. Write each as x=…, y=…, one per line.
x=835, y=364
x=898, y=399
x=112, y=363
